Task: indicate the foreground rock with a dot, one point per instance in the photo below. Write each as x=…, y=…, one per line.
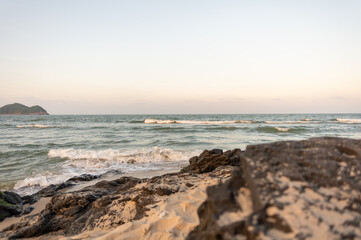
x=288, y=190
x=11, y=204
x=109, y=204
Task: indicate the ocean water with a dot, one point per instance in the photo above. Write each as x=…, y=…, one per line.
x=36, y=151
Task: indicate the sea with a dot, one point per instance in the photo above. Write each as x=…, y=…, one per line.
x=36, y=151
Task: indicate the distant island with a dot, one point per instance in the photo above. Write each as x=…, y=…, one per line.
x=20, y=109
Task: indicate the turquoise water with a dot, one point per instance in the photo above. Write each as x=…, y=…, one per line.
x=36, y=151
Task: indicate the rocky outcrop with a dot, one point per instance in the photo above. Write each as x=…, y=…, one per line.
x=55, y=189
x=288, y=190
x=207, y=161
x=106, y=205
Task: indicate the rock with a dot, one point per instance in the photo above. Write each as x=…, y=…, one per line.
x=11, y=197
x=54, y=189
x=10, y=204
x=4, y=214
x=87, y=208
x=30, y=199
x=105, y=205
x=288, y=190
x=207, y=161
x=83, y=178
x=28, y=210
x=131, y=161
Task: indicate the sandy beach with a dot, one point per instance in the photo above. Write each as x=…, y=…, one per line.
x=284, y=190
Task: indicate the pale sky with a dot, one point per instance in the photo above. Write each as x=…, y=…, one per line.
x=116, y=57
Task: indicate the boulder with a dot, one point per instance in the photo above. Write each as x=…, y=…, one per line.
x=288, y=190
x=207, y=161
x=10, y=204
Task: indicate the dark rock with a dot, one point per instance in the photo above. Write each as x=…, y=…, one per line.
x=131, y=161
x=113, y=172
x=12, y=197
x=4, y=214
x=28, y=210
x=10, y=204
x=30, y=199
x=207, y=161
x=52, y=189
x=83, y=178
x=85, y=209
x=288, y=190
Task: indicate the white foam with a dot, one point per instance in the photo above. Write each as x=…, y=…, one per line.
x=348, y=120
x=154, y=154
x=38, y=126
x=41, y=180
x=157, y=121
x=282, y=129
x=290, y=122
x=80, y=161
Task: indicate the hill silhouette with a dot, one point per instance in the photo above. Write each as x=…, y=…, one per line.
x=20, y=109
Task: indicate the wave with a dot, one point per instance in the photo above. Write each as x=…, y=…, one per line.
x=282, y=129
x=38, y=126
x=269, y=129
x=154, y=154
x=157, y=121
x=136, y=121
x=292, y=122
x=32, y=184
x=37, y=120
x=80, y=161
x=348, y=120
x=225, y=128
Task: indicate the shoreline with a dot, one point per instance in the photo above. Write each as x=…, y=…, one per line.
x=41, y=203
x=279, y=190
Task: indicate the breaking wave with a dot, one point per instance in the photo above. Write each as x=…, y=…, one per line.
x=349, y=121
x=268, y=129
x=292, y=122
x=157, y=121
x=80, y=161
x=38, y=126
x=154, y=154
x=282, y=129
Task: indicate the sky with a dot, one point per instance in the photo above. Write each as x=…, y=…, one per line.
x=158, y=57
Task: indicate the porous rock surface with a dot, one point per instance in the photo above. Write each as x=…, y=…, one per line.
x=307, y=189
